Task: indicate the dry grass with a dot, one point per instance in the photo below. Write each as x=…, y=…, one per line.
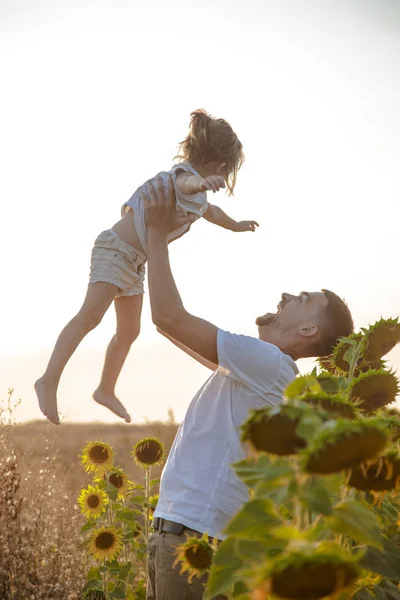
x=40, y=478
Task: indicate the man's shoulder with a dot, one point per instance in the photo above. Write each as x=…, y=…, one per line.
x=248, y=341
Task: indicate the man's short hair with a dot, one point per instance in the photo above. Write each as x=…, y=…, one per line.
x=335, y=322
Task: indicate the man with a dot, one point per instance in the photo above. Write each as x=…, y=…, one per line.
x=199, y=490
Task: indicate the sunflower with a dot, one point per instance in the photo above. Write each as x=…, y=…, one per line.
x=326, y=364
x=381, y=338
x=148, y=452
x=310, y=576
x=374, y=389
x=120, y=480
x=274, y=430
x=93, y=501
x=379, y=475
x=344, y=444
x=196, y=556
x=106, y=543
x=97, y=457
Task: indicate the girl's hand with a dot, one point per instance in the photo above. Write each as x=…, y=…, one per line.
x=212, y=183
x=246, y=226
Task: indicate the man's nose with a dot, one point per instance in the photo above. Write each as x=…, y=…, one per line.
x=287, y=297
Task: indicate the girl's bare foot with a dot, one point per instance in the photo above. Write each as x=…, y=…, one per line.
x=112, y=403
x=47, y=396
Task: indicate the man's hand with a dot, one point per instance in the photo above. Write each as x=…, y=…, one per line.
x=160, y=208
x=246, y=226
x=212, y=183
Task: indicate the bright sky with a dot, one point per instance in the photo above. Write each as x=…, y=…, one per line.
x=96, y=95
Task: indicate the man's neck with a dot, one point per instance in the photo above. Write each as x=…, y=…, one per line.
x=284, y=348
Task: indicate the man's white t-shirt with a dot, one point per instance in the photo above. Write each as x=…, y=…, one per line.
x=199, y=488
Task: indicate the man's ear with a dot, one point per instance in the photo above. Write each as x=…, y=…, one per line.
x=308, y=330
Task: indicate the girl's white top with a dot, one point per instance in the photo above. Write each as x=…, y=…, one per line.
x=194, y=204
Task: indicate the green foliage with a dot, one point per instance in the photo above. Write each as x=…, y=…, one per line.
x=324, y=509
x=129, y=513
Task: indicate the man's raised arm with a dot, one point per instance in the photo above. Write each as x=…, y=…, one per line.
x=168, y=312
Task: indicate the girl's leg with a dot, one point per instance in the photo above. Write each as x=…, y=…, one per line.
x=128, y=311
x=98, y=299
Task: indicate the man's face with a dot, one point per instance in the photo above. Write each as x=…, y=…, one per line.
x=295, y=312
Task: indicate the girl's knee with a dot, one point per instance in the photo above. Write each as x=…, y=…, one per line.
x=89, y=319
x=127, y=336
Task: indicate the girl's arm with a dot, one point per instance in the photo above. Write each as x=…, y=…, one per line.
x=216, y=215
x=193, y=184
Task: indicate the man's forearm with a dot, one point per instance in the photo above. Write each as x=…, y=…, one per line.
x=165, y=301
x=200, y=359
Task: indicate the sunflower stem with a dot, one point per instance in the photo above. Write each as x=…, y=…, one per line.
x=147, y=513
x=105, y=582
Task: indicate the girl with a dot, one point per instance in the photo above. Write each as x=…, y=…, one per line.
x=209, y=159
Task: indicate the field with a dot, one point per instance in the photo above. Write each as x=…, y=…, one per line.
x=40, y=479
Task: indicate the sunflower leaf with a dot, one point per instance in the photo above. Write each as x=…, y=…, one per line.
x=154, y=482
x=301, y=385
x=94, y=573
x=137, y=500
x=357, y=521
x=240, y=590
x=117, y=592
x=111, y=491
x=316, y=496
x=222, y=574
x=93, y=585
x=88, y=525
x=254, y=520
x=263, y=469
x=385, y=562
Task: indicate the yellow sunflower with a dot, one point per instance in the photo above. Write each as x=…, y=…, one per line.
x=106, y=543
x=148, y=452
x=195, y=555
x=97, y=457
x=93, y=502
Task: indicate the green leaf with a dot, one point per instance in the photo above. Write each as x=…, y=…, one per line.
x=137, y=500
x=254, y=551
x=348, y=355
x=240, y=590
x=357, y=521
x=309, y=425
x=93, y=584
x=111, y=491
x=117, y=592
x=262, y=469
x=88, y=525
x=386, y=590
x=225, y=564
x=94, y=573
x=363, y=594
x=386, y=562
x=126, y=516
x=154, y=482
x=301, y=385
x=316, y=496
x=254, y=520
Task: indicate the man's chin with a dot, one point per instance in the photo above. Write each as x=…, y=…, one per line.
x=265, y=319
